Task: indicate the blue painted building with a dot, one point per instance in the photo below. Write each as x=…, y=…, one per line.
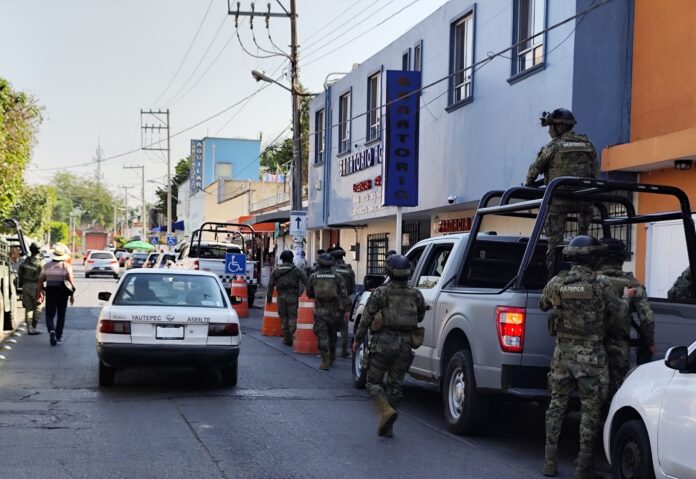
x=489, y=68
x=229, y=158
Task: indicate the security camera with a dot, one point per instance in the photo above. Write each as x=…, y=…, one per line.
x=451, y=199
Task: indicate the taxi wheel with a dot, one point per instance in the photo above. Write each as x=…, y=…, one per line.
x=229, y=375
x=106, y=375
x=631, y=457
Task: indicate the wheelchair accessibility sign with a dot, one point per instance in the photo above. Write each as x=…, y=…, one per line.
x=235, y=263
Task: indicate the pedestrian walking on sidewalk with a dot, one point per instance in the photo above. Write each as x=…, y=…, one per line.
x=327, y=288
x=59, y=288
x=392, y=314
x=348, y=276
x=289, y=281
x=28, y=277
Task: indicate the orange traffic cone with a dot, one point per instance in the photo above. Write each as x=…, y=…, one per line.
x=271, y=320
x=239, y=292
x=305, y=340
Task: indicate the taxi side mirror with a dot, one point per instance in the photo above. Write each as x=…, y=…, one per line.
x=677, y=358
x=104, y=296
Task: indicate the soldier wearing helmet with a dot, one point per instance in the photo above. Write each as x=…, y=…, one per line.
x=567, y=154
x=289, y=281
x=28, y=277
x=326, y=286
x=392, y=314
x=348, y=276
x=584, y=303
x=618, y=342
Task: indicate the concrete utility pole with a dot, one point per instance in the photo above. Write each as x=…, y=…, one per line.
x=296, y=184
x=126, y=224
x=148, y=142
x=99, y=158
x=142, y=193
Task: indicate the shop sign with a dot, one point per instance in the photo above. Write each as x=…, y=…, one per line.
x=401, y=159
x=455, y=225
x=365, y=185
x=360, y=160
x=367, y=202
x=196, y=174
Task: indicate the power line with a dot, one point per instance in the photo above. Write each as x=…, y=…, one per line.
x=332, y=21
x=198, y=31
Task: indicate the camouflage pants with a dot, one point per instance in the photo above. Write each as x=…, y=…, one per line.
x=556, y=226
x=573, y=368
x=31, y=306
x=287, y=310
x=325, y=327
x=618, y=358
x=390, y=354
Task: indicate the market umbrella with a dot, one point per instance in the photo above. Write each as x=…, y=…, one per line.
x=138, y=245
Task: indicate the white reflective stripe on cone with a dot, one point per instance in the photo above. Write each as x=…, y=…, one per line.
x=305, y=325
x=271, y=314
x=307, y=305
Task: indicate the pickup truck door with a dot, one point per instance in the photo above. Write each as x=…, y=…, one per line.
x=429, y=273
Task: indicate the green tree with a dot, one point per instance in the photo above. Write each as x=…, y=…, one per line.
x=181, y=173
x=85, y=193
x=59, y=231
x=33, y=207
x=20, y=117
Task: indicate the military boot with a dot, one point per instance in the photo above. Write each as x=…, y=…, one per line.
x=387, y=418
x=31, y=330
x=332, y=356
x=550, y=461
x=344, y=351
x=585, y=467
x=287, y=339
x=325, y=360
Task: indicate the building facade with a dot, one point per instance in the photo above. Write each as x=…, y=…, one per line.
x=223, y=158
x=488, y=70
x=662, y=145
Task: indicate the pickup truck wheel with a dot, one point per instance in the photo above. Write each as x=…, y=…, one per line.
x=631, y=457
x=359, y=372
x=464, y=407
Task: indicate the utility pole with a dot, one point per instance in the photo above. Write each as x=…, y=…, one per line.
x=142, y=193
x=126, y=222
x=99, y=158
x=296, y=170
x=149, y=141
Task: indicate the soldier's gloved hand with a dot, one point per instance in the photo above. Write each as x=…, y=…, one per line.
x=629, y=292
x=355, y=346
x=651, y=348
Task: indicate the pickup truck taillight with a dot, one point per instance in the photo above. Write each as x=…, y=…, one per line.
x=114, y=327
x=510, y=326
x=230, y=329
x=195, y=264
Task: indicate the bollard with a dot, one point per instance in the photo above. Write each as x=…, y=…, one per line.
x=271, y=319
x=305, y=341
x=238, y=297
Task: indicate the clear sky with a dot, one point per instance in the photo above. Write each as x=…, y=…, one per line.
x=93, y=64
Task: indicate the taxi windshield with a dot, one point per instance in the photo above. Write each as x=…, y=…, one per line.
x=169, y=290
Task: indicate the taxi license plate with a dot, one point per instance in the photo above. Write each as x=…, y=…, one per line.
x=169, y=332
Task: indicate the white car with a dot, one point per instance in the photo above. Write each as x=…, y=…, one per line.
x=651, y=427
x=167, y=318
x=101, y=262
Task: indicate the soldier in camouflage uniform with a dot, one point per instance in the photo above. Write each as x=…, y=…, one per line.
x=682, y=289
x=567, y=154
x=348, y=276
x=581, y=300
x=392, y=313
x=289, y=281
x=619, y=335
x=28, y=276
x=327, y=288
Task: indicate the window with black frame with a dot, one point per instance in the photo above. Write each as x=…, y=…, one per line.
x=374, y=100
x=320, y=137
x=530, y=21
x=462, y=54
x=377, y=247
x=344, y=123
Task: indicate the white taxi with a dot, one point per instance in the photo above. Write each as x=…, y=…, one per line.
x=175, y=318
x=651, y=426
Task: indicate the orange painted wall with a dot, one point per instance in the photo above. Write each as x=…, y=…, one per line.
x=664, y=67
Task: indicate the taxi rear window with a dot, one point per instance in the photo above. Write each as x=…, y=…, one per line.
x=170, y=290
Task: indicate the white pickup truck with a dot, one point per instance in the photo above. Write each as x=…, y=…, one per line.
x=484, y=332
x=209, y=254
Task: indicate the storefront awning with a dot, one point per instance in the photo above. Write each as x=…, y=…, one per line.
x=259, y=226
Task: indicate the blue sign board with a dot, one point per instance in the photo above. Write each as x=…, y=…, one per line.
x=400, y=186
x=171, y=240
x=196, y=173
x=154, y=239
x=235, y=263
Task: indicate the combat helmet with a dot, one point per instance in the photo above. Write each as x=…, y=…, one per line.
x=390, y=253
x=615, y=248
x=559, y=116
x=584, y=250
x=34, y=248
x=325, y=259
x=338, y=252
x=286, y=256
x=398, y=267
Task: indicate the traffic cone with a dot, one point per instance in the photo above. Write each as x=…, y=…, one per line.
x=239, y=291
x=271, y=319
x=305, y=340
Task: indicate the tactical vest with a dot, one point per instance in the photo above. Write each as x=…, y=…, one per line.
x=581, y=313
x=287, y=280
x=401, y=310
x=347, y=276
x=31, y=270
x=573, y=155
x=325, y=287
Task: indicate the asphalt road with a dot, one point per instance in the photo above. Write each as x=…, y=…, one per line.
x=285, y=418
